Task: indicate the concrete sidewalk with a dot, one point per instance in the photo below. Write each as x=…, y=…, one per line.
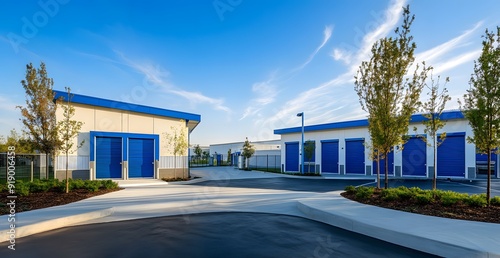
x=435, y=235
x=154, y=198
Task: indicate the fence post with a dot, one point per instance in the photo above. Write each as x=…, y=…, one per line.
x=31, y=170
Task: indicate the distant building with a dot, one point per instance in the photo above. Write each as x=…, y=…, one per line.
x=341, y=149
x=263, y=150
x=123, y=140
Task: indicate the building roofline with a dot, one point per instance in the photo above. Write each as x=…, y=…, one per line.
x=119, y=105
x=416, y=118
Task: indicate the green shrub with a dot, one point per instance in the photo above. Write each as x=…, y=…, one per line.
x=350, y=189
x=38, y=186
x=364, y=192
x=77, y=184
x=404, y=193
x=449, y=198
x=389, y=195
x=92, y=185
x=3, y=187
x=424, y=197
x=495, y=201
x=476, y=200
x=109, y=184
x=22, y=188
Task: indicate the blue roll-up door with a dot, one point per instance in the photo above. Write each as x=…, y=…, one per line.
x=354, y=156
x=451, y=156
x=141, y=158
x=414, y=157
x=382, y=165
x=108, y=157
x=330, y=157
x=292, y=157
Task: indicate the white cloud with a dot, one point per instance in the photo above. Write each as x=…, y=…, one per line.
x=433, y=54
x=382, y=28
x=157, y=76
x=327, y=34
x=265, y=94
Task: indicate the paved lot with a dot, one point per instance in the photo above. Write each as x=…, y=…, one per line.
x=300, y=197
x=318, y=185
x=208, y=235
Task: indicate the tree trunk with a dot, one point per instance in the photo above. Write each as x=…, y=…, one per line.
x=47, y=165
x=378, y=170
x=386, y=184
x=67, y=181
x=434, y=181
x=488, y=185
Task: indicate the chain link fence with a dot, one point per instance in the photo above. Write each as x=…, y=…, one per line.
x=27, y=167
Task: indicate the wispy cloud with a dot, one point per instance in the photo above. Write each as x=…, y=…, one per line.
x=327, y=34
x=197, y=97
x=265, y=94
x=435, y=53
x=383, y=27
x=266, y=91
x=156, y=76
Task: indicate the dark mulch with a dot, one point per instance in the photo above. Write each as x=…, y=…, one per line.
x=460, y=211
x=48, y=199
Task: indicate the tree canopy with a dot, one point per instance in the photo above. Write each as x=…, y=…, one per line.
x=481, y=104
x=387, y=92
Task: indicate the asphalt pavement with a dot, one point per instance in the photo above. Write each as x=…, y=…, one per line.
x=232, y=234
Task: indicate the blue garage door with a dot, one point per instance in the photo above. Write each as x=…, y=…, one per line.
x=141, y=157
x=108, y=157
x=330, y=156
x=292, y=157
x=451, y=156
x=382, y=165
x=414, y=157
x=354, y=156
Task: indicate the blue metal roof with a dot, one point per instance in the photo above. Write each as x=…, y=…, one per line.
x=106, y=103
x=447, y=115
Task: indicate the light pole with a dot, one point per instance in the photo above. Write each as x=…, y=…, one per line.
x=301, y=114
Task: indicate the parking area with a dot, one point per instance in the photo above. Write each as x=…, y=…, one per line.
x=226, y=234
x=317, y=185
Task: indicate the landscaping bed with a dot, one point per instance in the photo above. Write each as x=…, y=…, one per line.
x=439, y=203
x=48, y=193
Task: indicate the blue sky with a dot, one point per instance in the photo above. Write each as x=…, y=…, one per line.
x=246, y=66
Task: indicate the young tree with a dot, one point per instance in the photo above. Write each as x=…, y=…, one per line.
x=205, y=156
x=178, y=142
x=482, y=101
x=39, y=115
x=68, y=130
x=248, y=151
x=386, y=92
x=309, y=148
x=20, y=142
x=198, y=151
x=432, y=110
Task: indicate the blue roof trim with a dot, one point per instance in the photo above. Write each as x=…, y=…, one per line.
x=447, y=115
x=106, y=103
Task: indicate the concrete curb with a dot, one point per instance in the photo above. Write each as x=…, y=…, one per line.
x=52, y=224
x=393, y=235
